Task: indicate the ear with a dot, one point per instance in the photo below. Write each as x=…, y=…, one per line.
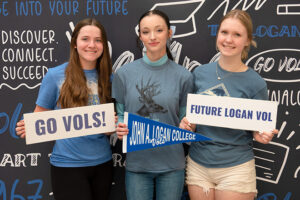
x=170, y=33
x=248, y=43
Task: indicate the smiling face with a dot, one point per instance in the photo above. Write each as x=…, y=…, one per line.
x=154, y=33
x=89, y=46
x=232, y=38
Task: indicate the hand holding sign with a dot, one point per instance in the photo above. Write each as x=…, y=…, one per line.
x=264, y=137
x=185, y=124
x=122, y=130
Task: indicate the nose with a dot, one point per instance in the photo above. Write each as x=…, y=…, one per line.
x=91, y=43
x=152, y=35
x=228, y=38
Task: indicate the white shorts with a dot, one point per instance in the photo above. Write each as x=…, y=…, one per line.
x=240, y=178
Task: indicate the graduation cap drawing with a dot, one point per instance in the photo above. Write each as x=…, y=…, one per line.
x=183, y=21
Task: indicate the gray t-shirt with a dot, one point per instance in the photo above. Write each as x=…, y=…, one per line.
x=155, y=92
x=229, y=147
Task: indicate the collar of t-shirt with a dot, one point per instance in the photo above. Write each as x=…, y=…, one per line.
x=159, y=62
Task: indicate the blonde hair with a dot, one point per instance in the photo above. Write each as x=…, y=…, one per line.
x=246, y=20
x=74, y=91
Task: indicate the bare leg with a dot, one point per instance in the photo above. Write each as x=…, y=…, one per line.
x=197, y=193
x=225, y=195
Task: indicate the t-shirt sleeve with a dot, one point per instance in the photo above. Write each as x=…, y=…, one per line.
x=47, y=96
x=262, y=94
x=187, y=87
x=118, y=89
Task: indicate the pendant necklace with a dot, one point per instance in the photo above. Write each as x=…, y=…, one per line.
x=225, y=76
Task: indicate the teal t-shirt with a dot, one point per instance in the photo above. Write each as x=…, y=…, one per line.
x=82, y=151
x=229, y=147
x=155, y=92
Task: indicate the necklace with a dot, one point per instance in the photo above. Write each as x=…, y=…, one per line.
x=226, y=75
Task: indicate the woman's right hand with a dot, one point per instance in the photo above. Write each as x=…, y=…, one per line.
x=122, y=130
x=20, y=129
x=185, y=124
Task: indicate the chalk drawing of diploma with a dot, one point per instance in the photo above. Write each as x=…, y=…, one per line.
x=288, y=9
x=185, y=19
x=270, y=161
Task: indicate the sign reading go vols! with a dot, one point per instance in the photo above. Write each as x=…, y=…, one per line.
x=146, y=133
x=70, y=122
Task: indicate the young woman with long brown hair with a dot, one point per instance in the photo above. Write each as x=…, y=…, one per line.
x=81, y=167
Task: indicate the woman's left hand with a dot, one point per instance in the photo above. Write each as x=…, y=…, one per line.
x=264, y=137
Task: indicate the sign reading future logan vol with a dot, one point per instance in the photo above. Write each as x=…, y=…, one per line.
x=229, y=112
x=146, y=133
x=67, y=123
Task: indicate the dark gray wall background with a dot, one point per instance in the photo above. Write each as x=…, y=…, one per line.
x=24, y=170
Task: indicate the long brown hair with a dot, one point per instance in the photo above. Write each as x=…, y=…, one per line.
x=74, y=91
x=246, y=20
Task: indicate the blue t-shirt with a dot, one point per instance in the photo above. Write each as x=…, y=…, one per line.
x=155, y=92
x=82, y=151
x=229, y=147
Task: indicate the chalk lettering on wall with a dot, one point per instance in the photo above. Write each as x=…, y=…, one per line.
x=288, y=9
x=114, y=7
x=58, y=7
x=5, y=190
x=271, y=31
x=285, y=97
x=10, y=123
x=118, y=160
x=265, y=62
x=259, y=4
x=20, y=160
x=3, y=8
x=272, y=196
x=28, y=8
x=18, y=62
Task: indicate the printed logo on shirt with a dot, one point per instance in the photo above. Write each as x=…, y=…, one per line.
x=93, y=96
x=218, y=90
x=147, y=92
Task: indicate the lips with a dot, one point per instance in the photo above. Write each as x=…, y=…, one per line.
x=153, y=43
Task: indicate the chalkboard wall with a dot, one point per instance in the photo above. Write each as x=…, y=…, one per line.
x=34, y=36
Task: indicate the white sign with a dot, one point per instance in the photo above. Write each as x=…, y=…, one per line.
x=67, y=123
x=229, y=112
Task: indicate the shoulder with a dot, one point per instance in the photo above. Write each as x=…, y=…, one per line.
x=128, y=67
x=179, y=69
x=205, y=70
x=60, y=69
x=255, y=78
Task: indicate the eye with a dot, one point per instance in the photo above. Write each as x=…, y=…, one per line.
x=160, y=30
x=237, y=34
x=145, y=32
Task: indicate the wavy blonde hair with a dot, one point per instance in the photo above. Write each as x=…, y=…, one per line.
x=74, y=91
